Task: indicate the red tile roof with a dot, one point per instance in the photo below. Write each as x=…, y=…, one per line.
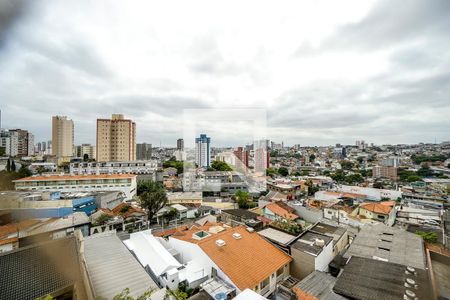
x=378, y=208
x=10, y=228
x=246, y=261
x=281, y=210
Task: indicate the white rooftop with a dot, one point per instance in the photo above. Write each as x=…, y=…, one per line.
x=151, y=252
x=276, y=235
x=111, y=267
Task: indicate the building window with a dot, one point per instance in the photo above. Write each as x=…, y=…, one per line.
x=265, y=283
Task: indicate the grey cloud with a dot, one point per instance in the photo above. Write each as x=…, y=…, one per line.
x=10, y=11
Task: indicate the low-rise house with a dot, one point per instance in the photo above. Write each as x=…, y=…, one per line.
x=280, y=211
x=122, y=217
x=181, y=211
x=236, y=217
x=279, y=238
x=184, y=197
x=26, y=232
x=236, y=256
x=382, y=211
x=111, y=267
x=310, y=252
x=339, y=235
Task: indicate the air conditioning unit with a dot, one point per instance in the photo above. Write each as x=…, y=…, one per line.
x=237, y=236
x=220, y=243
x=249, y=229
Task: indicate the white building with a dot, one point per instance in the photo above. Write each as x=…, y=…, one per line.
x=123, y=167
x=125, y=183
x=227, y=157
x=10, y=141
x=372, y=193
x=180, y=155
x=212, y=251
x=203, y=151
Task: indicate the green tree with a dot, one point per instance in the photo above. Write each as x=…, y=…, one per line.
x=378, y=185
x=148, y=186
x=312, y=189
x=40, y=169
x=346, y=165
x=24, y=171
x=413, y=178
x=425, y=171
x=283, y=171
x=312, y=157
x=338, y=176
x=13, y=166
x=179, y=165
x=153, y=199
x=2, y=151
x=354, y=178
x=86, y=157
x=177, y=294
x=8, y=165
x=218, y=165
x=242, y=198
x=102, y=219
x=429, y=237
x=124, y=209
x=271, y=172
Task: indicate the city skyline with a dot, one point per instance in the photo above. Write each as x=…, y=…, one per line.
x=377, y=71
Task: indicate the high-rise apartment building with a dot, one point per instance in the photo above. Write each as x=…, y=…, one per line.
x=62, y=136
x=261, y=155
x=116, y=139
x=143, y=151
x=385, y=172
x=203, y=151
x=25, y=142
x=242, y=155
x=9, y=141
x=180, y=144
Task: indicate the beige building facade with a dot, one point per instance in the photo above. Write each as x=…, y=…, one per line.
x=62, y=136
x=116, y=139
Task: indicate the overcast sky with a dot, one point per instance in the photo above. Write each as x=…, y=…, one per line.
x=326, y=71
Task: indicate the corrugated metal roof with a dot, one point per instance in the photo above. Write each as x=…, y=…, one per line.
x=319, y=285
x=112, y=267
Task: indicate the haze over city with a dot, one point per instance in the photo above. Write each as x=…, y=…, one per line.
x=326, y=72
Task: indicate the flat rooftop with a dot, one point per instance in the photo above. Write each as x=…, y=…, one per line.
x=307, y=243
x=278, y=236
x=112, y=267
x=335, y=232
x=388, y=244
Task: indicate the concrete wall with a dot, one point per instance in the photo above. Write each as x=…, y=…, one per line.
x=302, y=265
